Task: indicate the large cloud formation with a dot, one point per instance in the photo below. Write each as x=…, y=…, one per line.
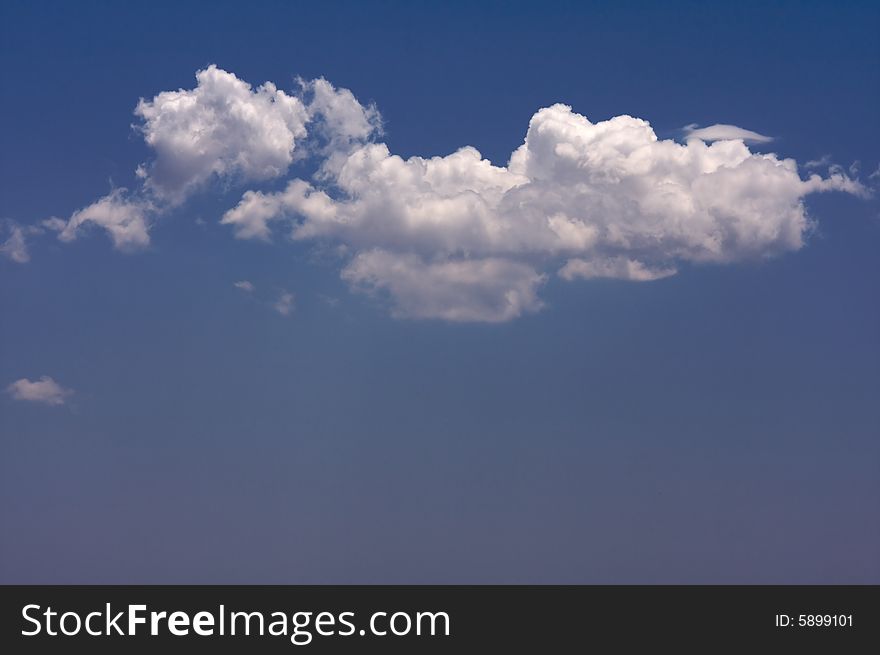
x=457, y=237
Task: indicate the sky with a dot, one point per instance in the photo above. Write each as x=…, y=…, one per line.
x=439, y=293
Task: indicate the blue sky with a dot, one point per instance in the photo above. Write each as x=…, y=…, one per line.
x=452, y=409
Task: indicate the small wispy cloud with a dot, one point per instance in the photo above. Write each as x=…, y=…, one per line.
x=15, y=245
x=620, y=268
x=45, y=390
x=244, y=285
x=223, y=131
x=284, y=304
x=823, y=162
x=724, y=132
x=852, y=172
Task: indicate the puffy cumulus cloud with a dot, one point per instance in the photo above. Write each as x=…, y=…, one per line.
x=457, y=237
x=723, y=132
x=227, y=131
x=126, y=219
x=488, y=290
x=339, y=121
x=443, y=203
x=608, y=198
x=223, y=128
x=657, y=200
x=45, y=390
x=251, y=217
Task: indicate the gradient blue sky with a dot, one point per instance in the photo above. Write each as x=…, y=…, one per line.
x=720, y=425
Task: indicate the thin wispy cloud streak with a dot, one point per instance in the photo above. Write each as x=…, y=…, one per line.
x=45, y=391
x=723, y=132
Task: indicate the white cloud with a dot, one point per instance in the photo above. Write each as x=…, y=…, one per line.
x=339, y=120
x=251, y=217
x=609, y=197
x=284, y=304
x=822, y=162
x=15, y=245
x=126, y=219
x=45, y=390
x=585, y=199
x=221, y=129
x=225, y=130
x=723, y=132
x=244, y=285
x=620, y=268
x=487, y=290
